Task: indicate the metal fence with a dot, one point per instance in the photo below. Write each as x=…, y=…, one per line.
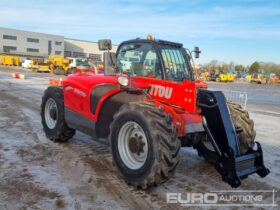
x=236, y=97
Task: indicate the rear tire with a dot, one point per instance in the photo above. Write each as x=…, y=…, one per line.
x=52, y=115
x=155, y=160
x=60, y=71
x=71, y=71
x=246, y=136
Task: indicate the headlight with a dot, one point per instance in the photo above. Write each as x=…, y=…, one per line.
x=123, y=80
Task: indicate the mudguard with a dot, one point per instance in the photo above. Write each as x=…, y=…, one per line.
x=110, y=106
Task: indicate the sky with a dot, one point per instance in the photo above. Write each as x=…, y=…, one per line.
x=242, y=31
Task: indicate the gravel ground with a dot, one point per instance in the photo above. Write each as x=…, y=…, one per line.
x=38, y=174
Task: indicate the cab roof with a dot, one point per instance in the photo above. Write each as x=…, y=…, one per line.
x=156, y=41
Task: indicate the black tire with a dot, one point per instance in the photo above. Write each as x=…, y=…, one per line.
x=60, y=71
x=163, y=144
x=60, y=132
x=71, y=71
x=35, y=70
x=56, y=71
x=241, y=119
x=246, y=136
x=65, y=72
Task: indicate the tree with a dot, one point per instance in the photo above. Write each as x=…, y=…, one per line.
x=239, y=68
x=225, y=68
x=254, y=68
x=212, y=64
x=247, y=68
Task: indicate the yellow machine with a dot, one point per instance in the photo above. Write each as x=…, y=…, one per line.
x=263, y=79
x=9, y=60
x=230, y=77
x=44, y=67
x=16, y=61
x=221, y=78
x=259, y=79
x=31, y=65
x=248, y=77
x=205, y=76
x=55, y=63
x=40, y=65
x=195, y=72
x=60, y=64
x=274, y=80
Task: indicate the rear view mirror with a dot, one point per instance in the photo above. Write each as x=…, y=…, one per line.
x=104, y=44
x=196, y=52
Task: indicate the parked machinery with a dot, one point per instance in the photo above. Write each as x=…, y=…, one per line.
x=9, y=60
x=221, y=77
x=60, y=64
x=54, y=63
x=40, y=65
x=148, y=112
x=274, y=79
x=259, y=79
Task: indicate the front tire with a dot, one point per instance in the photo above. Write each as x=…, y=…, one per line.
x=52, y=115
x=246, y=136
x=144, y=144
x=59, y=71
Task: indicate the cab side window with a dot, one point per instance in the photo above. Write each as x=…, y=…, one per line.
x=139, y=60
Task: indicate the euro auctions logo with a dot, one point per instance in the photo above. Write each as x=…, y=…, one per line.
x=260, y=198
x=192, y=198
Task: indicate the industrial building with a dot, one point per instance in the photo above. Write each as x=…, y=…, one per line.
x=33, y=44
x=30, y=44
x=83, y=49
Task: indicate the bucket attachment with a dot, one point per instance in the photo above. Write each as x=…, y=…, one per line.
x=222, y=133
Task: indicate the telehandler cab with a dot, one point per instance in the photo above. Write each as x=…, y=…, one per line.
x=147, y=104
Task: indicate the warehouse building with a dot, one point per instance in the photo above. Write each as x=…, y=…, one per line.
x=83, y=49
x=33, y=44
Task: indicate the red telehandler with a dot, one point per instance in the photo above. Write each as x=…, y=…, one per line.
x=148, y=106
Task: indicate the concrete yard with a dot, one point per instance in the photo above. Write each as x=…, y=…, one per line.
x=36, y=173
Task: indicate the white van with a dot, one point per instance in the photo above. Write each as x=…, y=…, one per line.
x=26, y=64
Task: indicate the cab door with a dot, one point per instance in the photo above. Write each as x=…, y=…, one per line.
x=139, y=60
x=145, y=61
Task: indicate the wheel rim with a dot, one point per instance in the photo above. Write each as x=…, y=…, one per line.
x=51, y=113
x=132, y=145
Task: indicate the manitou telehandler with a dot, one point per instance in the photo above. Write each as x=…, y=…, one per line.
x=147, y=104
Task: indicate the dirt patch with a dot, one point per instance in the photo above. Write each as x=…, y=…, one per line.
x=36, y=153
x=1, y=156
x=20, y=186
x=59, y=203
x=27, y=191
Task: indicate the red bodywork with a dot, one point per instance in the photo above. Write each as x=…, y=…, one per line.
x=178, y=99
